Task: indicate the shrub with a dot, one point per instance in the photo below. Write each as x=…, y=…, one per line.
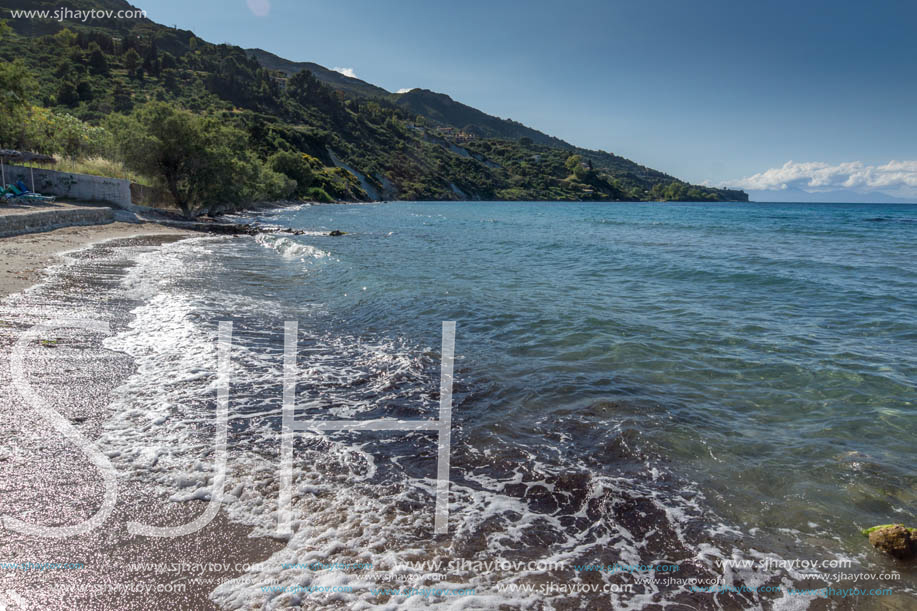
x=295, y=166
x=273, y=185
x=15, y=85
x=46, y=131
x=200, y=160
x=318, y=194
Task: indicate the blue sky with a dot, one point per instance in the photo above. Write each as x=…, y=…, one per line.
x=722, y=92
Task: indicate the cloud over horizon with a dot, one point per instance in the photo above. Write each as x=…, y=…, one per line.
x=403, y=90
x=346, y=71
x=816, y=176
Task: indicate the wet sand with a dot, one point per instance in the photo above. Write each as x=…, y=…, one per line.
x=24, y=257
x=47, y=480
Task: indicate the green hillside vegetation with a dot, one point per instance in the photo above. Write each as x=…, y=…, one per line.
x=441, y=110
x=334, y=79
x=240, y=131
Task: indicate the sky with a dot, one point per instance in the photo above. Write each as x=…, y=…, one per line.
x=801, y=97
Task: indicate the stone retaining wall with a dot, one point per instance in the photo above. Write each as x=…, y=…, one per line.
x=46, y=220
x=85, y=187
x=73, y=186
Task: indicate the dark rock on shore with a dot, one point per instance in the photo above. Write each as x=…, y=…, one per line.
x=895, y=540
x=210, y=225
x=239, y=229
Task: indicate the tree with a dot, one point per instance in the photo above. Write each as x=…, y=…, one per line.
x=63, y=134
x=580, y=172
x=201, y=161
x=67, y=95
x=63, y=70
x=76, y=58
x=295, y=166
x=15, y=85
x=151, y=63
x=131, y=61
x=65, y=38
x=170, y=79
x=572, y=162
x=97, y=62
x=175, y=146
x=121, y=98
x=168, y=61
x=84, y=91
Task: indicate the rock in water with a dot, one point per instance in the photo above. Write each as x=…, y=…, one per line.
x=895, y=540
x=336, y=233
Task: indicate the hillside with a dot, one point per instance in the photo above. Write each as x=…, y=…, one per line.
x=415, y=145
x=441, y=109
x=437, y=108
x=332, y=78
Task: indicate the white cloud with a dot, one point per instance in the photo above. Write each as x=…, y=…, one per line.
x=259, y=8
x=404, y=90
x=346, y=72
x=817, y=176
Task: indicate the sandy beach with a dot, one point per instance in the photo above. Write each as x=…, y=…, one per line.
x=24, y=257
x=46, y=480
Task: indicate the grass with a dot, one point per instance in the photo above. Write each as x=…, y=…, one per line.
x=98, y=166
x=881, y=526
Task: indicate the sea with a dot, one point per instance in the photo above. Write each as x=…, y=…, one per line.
x=654, y=405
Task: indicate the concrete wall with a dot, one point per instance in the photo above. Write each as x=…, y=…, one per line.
x=74, y=186
x=46, y=220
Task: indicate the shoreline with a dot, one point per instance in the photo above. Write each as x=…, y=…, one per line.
x=69, y=288
x=26, y=257
x=47, y=480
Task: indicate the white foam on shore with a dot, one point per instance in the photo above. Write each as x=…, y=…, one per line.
x=352, y=504
x=290, y=248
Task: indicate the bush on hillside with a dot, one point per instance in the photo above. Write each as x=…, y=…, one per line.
x=201, y=161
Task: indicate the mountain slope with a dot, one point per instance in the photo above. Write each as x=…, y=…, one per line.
x=440, y=108
x=436, y=107
x=416, y=145
x=332, y=78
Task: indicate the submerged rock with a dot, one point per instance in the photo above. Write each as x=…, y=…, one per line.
x=894, y=539
x=239, y=229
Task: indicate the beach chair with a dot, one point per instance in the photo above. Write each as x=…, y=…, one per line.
x=17, y=192
x=37, y=197
x=32, y=194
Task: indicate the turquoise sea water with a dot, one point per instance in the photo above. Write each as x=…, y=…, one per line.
x=634, y=383
x=771, y=349
x=767, y=352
